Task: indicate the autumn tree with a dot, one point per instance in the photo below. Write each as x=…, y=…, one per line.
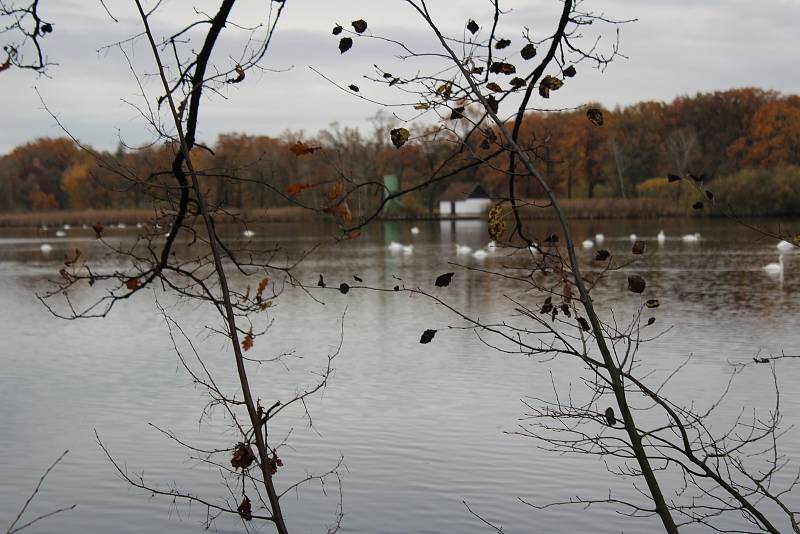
x=773, y=137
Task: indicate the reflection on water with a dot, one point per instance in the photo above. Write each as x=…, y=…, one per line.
x=421, y=427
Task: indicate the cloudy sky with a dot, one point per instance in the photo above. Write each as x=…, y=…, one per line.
x=675, y=47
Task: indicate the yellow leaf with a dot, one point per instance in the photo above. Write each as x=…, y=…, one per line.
x=294, y=189
x=334, y=192
x=399, y=136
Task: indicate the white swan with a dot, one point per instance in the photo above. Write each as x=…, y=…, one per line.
x=248, y=233
x=661, y=237
x=491, y=244
x=66, y=227
x=408, y=249
x=775, y=268
x=784, y=246
x=599, y=238
x=462, y=249
x=121, y=225
x=588, y=243
x=632, y=237
x=394, y=246
x=46, y=248
x=61, y=233
x=139, y=225
x=691, y=238
x=480, y=254
x=414, y=230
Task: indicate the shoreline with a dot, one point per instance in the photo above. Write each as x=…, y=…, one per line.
x=535, y=209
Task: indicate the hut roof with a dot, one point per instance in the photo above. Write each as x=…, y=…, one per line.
x=463, y=191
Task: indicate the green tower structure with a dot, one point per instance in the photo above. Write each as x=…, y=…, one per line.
x=391, y=186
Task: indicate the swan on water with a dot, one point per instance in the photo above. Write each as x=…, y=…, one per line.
x=599, y=238
x=774, y=267
x=46, y=248
x=248, y=233
x=691, y=238
x=480, y=254
x=463, y=249
x=394, y=246
x=491, y=244
x=661, y=237
x=632, y=237
x=61, y=233
x=414, y=230
x=784, y=245
x=588, y=243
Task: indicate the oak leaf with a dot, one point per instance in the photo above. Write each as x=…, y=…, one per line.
x=300, y=148
x=295, y=189
x=247, y=342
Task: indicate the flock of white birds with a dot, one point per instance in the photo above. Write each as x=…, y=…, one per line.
x=482, y=253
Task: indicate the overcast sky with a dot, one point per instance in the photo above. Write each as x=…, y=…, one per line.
x=676, y=47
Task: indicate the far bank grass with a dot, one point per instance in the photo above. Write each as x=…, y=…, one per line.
x=133, y=216
x=607, y=208
x=595, y=208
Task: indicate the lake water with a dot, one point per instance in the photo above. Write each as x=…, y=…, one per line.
x=421, y=427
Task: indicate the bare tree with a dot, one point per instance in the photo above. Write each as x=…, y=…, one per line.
x=22, y=27
x=641, y=429
x=19, y=523
x=622, y=416
x=182, y=208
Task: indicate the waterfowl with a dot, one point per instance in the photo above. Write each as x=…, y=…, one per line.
x=775, y=268
x=691, y=238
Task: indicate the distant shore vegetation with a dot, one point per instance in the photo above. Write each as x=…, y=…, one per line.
x=744, y=144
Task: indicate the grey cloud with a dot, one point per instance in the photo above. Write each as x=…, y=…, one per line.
x=676, y=47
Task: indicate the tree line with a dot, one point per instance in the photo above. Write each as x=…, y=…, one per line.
x=735, y=139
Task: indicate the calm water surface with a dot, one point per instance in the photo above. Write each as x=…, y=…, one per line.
x=421, y=427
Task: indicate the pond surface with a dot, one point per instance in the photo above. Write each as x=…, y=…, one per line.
x=421, y=427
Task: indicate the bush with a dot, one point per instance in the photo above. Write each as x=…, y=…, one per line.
x=655, y=187
x=678, y=194
x=758, y=192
